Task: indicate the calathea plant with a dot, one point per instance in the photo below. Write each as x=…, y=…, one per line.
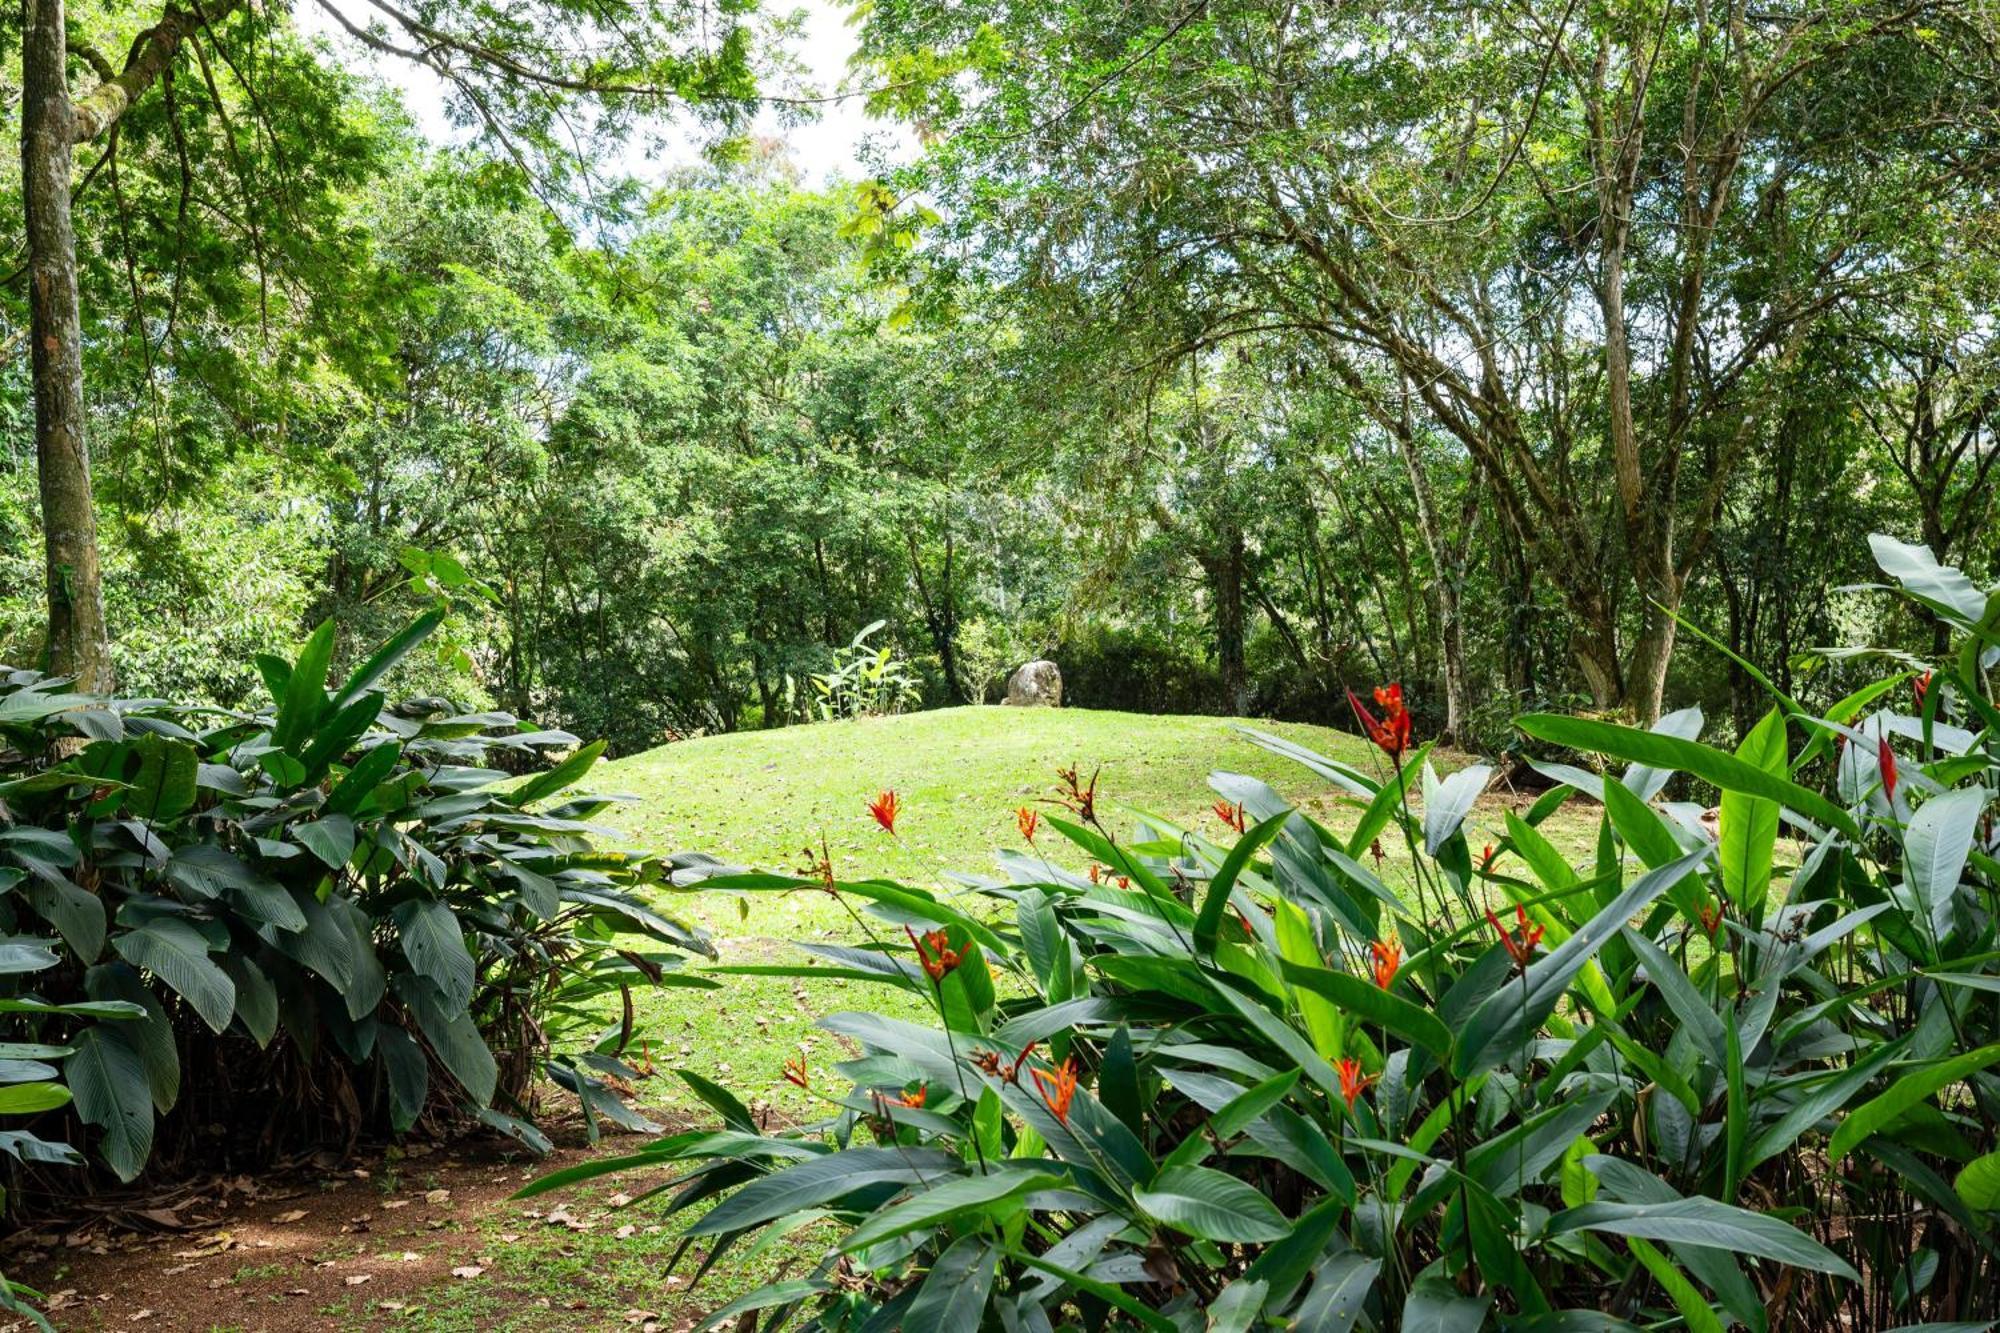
x=326, y=908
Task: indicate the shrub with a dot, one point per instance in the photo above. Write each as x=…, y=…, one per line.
x=321, y=917
x=1283, y=1080
x=864, y=681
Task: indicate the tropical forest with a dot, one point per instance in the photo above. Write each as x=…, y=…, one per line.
x=1000, y=666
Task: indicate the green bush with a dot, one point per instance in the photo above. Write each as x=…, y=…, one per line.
x=321, y=917
x=1677, y=1080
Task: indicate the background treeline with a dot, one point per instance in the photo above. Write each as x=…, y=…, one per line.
x=1224, y=412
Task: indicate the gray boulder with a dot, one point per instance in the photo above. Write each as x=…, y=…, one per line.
x=1036, y=685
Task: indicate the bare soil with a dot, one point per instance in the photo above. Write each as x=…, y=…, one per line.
x=325, y=1245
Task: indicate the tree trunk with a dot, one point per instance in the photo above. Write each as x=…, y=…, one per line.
x=79, y=643
x=1225, y=582
x=1447, y=582
x=1594, y=641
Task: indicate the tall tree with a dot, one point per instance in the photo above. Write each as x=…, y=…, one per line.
x=526, y=75
x=1591, y=243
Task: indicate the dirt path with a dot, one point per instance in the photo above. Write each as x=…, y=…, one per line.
x=419, y=1238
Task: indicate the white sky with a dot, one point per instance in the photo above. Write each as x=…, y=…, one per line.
x=831, y=145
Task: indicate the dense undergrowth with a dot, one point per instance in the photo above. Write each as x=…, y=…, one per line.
x=1687, y=1082
x=298, y=924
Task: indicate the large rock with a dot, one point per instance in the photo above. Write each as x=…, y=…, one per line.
x=1036, y=685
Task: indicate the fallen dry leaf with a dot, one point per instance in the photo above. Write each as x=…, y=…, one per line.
x=468, y=1271
x=356, y=1279
x=286, y=1219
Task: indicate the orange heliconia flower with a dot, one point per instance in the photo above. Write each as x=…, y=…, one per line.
x=1096, y=873
x=1391, y=732
x=1388, y=957
x=1057, y=1089
x=795, y=1072
x=1352, y=1082
x=1921, y=687
x=1486, y=857
x=1028, y=821
x=1711, y=917
x=1521, y=941
x=934, y=951
x=915, y=1100
x=885, y=807
x=1885, y=759
x=1232, y=815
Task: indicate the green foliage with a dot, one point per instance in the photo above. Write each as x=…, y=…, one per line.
x=866, y=681
x=326, y=882
x=1205, y=1081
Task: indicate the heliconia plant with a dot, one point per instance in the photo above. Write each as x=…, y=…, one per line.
x=1699, y=1077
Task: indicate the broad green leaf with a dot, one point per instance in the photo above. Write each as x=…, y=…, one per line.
x=1435, y=1306
x=1414, y=1024
x=360, y=781
x=953, y=1198
x=176, y=953
x=1978, y=1183
x=1687, y=1298
x=1906, y=1092
x=1211, y=1205
x=1339, y=1293
x=1713, y=766
x=32, y=1098
x=408, y=1073
x=1384, y=802
x=1216, y=901
x=1747, y=828
x=1935, y=847
x=821, y=1181
x=563, y=775
x=1448, y=803
x=1517, y=1010
x=954, y=1295
x=305, y=691
x=384, y=659
x=1710, y=1222
x=455, y=1039
x=112, y=1094
x=164, y=786
x=1297, y=945
x=435, y=948
x=330, y=838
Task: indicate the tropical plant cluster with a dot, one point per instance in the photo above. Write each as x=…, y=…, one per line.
x=304, y=921
x=1681, y=1075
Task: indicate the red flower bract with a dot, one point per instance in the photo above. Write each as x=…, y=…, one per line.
x=1391, y=732
x=915, y=1100
x=1352, y=1082
x=1921, y=687
x=1885, y=759
x=1057, y=1089
x=1231, y=815
x=795, y=1073
x=1521, y=941
x=934, y=951
x=885, y=807
x=1388, y=957
x=1028, y=821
